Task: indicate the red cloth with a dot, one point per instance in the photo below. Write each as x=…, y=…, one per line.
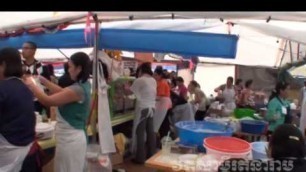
x=34, y=148
x=163, y=88
x=34, y=159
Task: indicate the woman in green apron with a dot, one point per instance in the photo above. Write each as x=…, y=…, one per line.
x=278, y=107
x=73, y=102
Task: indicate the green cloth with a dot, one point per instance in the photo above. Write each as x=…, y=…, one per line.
x=275, y=108
x=76, y=113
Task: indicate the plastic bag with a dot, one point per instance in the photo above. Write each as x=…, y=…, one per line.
x=97, y=161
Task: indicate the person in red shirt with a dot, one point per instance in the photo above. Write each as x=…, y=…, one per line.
x=163, y=101
x=183, y=91
x=163, y=88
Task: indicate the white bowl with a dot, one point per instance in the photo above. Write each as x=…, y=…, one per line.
x=44, y=131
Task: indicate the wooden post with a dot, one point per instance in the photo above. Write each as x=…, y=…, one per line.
x=236, y=72
x=298, y=52
x=291, y=55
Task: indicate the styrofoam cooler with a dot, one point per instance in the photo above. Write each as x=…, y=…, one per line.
x=223, y=148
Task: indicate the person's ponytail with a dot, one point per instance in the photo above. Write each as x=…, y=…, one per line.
x=273, y=95
x=276, y=92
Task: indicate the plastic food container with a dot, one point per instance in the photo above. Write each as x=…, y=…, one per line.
x=259, y=150
x=223, y=148
x=244, y=112
x=194, y=132
x=253, y=126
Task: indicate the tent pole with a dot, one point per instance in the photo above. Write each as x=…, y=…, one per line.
x=95, y=79
x=280, y=52
x=63, y=53
x=283, y=54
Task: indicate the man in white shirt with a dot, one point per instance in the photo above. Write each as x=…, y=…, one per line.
x=31, y=65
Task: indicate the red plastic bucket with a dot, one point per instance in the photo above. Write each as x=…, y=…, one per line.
x=227, y=147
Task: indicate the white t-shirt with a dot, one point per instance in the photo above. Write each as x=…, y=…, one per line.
x=144, y=89
x=202, y=105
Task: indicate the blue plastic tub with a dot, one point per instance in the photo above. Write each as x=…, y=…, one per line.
x=194, y=132
x=253, y=126
x=259, y=150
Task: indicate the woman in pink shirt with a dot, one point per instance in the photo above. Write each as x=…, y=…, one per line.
x=182, y=88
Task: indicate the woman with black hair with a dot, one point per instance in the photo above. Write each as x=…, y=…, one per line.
x=143, y=135
x=51, y=72
x=181, y=109
x=287, y=142
x=246, y=99
x=73, y=102
x=163, y=101
x=286, y=152
x=200, y=100
x=65, y=80
x=17, y=118
x=278, y=107
x=137, y=72
x=238, y=87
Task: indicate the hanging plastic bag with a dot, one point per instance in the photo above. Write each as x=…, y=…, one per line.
x=97, y=161
x=105, y=163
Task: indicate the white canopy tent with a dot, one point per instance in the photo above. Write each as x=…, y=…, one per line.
x=254, y=48
x=262, y=35
x=257, y=44
x=34, y=19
